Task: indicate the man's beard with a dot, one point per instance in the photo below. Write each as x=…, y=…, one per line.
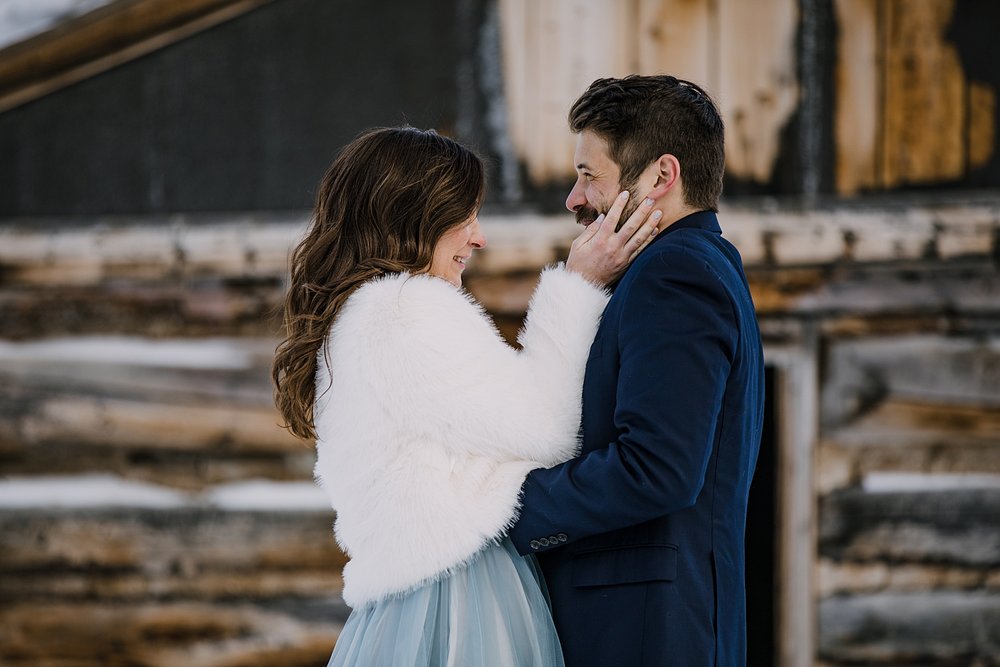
x=588, y=214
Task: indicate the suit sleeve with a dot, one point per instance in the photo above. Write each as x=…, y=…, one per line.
x=677, y=338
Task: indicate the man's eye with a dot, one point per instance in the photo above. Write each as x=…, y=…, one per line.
x=589, y=177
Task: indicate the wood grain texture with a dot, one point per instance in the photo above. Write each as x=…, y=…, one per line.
x=982, y=124
x=758, y=87
x=552, y=51
x=857, y=95
x=677, y=37
x=923, y=138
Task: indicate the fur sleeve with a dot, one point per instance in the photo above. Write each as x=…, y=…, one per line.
x=441, y=363
x=428, y=421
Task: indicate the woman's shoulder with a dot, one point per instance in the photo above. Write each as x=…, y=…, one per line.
x=407, y=300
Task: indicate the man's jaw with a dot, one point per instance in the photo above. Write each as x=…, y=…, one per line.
x=585, y=215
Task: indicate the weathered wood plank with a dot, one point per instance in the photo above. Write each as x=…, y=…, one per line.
x=175, y=397
x=564, y=35
x=856, y=117
x=677, y=37
x=924, y=112
x=186, y=469
x=943, y=628
x=957, y=526
x=142, y=424
x=158, y=552
x=758, y=86
x=195, y=370
x=245, y=250
x=838, y=578
x=909, y=425
x=102, y=39
x=955, y=375
x=843, y=464
x=156, y=309
x=166, y=634
x=982, y=124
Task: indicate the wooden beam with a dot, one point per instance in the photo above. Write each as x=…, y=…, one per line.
x=103, y=39
x=797, y=399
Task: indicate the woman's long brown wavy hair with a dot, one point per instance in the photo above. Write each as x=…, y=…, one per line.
x=382, y=206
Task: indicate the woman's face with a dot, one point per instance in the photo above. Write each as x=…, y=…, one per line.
x=454, y=250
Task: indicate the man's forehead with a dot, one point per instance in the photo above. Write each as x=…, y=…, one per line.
x=591, y=151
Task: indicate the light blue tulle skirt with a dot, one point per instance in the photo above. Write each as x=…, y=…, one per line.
x=494, y=612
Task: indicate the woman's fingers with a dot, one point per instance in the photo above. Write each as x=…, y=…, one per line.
x=644, y=236
x=636, y=220
x=610, y=225
x=593, y=227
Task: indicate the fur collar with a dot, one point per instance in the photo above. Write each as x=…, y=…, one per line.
x=428, y=421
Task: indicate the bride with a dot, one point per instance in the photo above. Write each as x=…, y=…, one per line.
x=426, y=421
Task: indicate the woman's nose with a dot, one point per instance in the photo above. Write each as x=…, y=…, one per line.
x=478, y=238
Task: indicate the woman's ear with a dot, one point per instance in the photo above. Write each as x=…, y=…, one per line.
x=667, y=175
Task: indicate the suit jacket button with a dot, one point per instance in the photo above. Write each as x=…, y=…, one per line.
x=562, y=537
x=534, y=544
x=544, y=541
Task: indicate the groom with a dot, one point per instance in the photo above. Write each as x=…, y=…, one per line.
x=640, y=537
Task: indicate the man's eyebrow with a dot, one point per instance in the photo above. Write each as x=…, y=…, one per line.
x=582, y=165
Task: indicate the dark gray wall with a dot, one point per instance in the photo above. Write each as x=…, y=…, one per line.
x=245, y=116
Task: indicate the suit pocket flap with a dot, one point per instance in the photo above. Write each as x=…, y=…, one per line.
x=625, y=565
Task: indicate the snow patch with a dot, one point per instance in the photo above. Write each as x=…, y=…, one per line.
x=101, y=490
x=86, y=491
x=895, y=482
x=196, y=354
x=265, y=495
x=21, y=19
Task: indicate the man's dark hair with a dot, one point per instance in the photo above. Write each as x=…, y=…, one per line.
x=644, y=117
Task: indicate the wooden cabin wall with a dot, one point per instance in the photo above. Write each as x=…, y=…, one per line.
x=139, y=354
x=913, y=106
x=910, y=101
x=743, y=54
x=135, y=349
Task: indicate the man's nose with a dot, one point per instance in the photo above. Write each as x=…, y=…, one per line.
x=576, y=197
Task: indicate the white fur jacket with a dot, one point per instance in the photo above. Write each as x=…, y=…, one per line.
x=431, y=420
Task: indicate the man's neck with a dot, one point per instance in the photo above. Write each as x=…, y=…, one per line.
x=672, y=215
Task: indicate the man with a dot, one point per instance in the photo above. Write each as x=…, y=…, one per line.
x=640, y=537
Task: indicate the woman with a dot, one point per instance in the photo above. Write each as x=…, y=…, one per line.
x=426, y=421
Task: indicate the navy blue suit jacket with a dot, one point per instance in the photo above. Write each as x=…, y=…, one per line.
x=640, y=537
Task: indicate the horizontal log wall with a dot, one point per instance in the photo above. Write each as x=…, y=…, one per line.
x=106, y=370
x=909, y=481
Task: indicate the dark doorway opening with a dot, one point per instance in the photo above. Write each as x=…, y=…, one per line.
x=761, y=542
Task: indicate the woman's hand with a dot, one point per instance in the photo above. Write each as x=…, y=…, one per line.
x=601, y=254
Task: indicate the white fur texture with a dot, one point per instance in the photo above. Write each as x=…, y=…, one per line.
x=432, y=420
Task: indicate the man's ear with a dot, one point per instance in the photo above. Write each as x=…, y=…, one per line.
x=667, y=173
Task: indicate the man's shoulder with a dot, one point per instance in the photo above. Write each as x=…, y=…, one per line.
x=687, y=252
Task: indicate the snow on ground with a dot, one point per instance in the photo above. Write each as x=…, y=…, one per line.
x=896, y=482
x=101, y=490
x=21, y=19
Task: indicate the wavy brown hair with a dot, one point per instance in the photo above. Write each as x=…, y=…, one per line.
x=383, y=205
